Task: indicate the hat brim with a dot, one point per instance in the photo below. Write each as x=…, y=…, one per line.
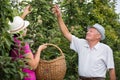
x=26, y=23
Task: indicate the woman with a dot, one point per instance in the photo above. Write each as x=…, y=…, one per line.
x=21, y=49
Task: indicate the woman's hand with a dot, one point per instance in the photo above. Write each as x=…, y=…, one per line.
x=56, y=10
x=42, y=47
x=26, y=11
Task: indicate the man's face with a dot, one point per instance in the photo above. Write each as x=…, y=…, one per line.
x=92, y=34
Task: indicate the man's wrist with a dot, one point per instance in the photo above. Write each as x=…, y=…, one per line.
x=24, y=14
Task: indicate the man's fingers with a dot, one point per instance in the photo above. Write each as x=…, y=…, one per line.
x=54, y=10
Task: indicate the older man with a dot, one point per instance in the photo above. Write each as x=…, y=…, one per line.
x=95, y=58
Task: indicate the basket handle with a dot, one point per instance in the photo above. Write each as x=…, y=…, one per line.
x=49, y=44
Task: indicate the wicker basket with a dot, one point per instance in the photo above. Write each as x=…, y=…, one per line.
x=52, y=70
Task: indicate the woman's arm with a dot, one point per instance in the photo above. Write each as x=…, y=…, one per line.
x=26, y=11
x=33, y=60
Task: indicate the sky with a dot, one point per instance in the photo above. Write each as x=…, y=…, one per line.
x=118, y=6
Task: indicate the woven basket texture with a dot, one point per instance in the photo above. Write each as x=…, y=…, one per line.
x=52, y=70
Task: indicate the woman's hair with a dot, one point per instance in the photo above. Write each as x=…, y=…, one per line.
x=16, y=35
x=13, y=45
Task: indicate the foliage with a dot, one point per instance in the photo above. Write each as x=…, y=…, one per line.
x=9, y=69
x=77, y=14
x=5, y=14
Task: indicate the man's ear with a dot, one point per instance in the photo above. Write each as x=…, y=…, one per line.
x=99, y=36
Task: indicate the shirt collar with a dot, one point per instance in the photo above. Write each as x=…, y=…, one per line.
x=95, y=47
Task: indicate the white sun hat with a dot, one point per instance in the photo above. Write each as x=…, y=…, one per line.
x=17, y=25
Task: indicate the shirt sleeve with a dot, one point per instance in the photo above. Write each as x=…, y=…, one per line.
x=76, y=43
x=109, y=59
x=26, y=48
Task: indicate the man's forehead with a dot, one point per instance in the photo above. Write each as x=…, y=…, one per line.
x=92, y=28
